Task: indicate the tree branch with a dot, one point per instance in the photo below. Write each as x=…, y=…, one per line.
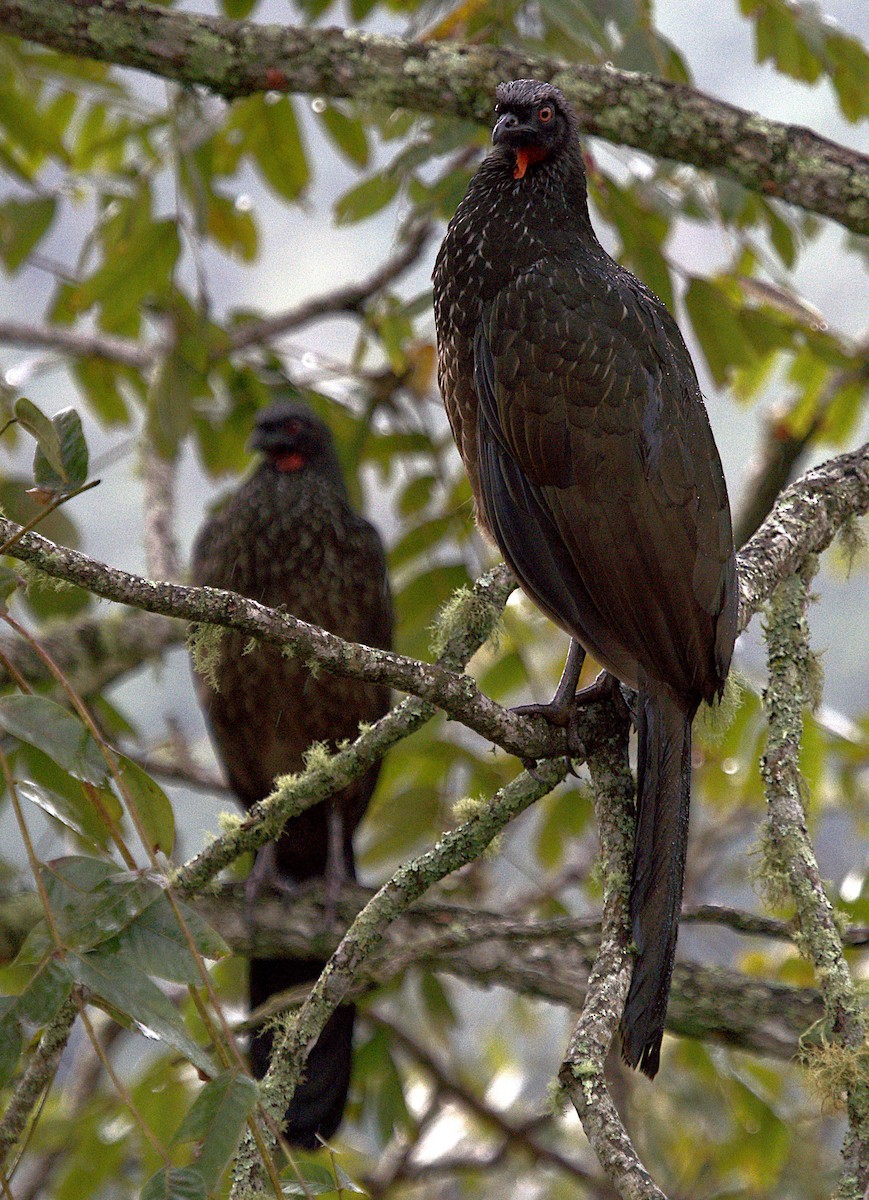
x=124, y=351
x=347, y=299
x=455, y=849
x=842, y=1066
x=237, y=58
x=546, y=960
x=582, y=1074
x=94, y=651
x=804, y=522
x=805, y=519
x=37, y=1076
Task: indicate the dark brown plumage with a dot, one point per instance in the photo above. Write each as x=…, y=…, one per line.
x=289, y=537
x=576, y=409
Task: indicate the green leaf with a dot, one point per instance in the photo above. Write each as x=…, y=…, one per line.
x=157, y=943
x=347, y=133
x=23, y=224
x=135, y=267
x=46, y=992
x=366, y=198
x=718, y=331
x=10, y=581
x=92, y=901
x=100, y=381
x=73, y=469
x=317, y=1179
x=238, y=9
x=232, y=228
x=118, y=981
x=273, y=140
x=150, y=802
x=60, y=734
x=216, y=1120
x=175, y=1183
x=42, y=428
x=75, y=807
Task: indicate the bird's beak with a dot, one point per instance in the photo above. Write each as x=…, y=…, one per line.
x=506, y=128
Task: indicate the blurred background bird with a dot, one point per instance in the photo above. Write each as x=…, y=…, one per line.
x=289, y=537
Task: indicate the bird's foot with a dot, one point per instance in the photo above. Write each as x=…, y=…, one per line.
x=264, y=877
x=558, y=710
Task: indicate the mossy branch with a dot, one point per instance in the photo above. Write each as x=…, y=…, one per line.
x=37, y=1076
x=841, y=1062
x=237, y=58
x=455, y=849
x=582, y=1074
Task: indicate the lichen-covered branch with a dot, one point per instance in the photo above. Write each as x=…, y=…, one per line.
x=582, y=1074
x=36, y=1078
x=455, y=849
x=476, y=615
x=805, y=519
x=237, y=58
x=543, y=959
x=841, y=1063
x=804, y=522
x=94, y=651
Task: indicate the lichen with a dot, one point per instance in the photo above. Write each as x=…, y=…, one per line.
x=203, y=646
x=713, y=720
x=469, y=613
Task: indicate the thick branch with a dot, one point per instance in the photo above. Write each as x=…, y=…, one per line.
x=804, y=522
x=806, y=518
x=236, y=58
x=582, y=1074
x=791, y=858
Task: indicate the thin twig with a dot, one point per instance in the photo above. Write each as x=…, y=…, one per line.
x=347, y=299
x=124, y=351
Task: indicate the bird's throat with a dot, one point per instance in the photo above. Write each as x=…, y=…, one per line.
x=291, y=461
x=525, y=156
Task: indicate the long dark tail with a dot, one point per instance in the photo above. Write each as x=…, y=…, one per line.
x=663, y=801
x=305, y=852
x=318, y=1103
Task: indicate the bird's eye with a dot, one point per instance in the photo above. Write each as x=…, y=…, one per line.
x=545, y=114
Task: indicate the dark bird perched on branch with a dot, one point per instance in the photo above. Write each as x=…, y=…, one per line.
x=576, y=409
x=289, y=537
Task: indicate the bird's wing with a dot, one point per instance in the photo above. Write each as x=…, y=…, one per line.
x=595, y=444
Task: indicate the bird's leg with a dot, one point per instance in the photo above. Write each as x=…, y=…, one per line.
x=560, y=707
x=336, y=863
x=263, y=877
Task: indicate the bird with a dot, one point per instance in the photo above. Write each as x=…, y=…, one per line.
x=288, y=537
x=578, y=415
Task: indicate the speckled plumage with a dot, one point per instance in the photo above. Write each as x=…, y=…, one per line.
x=576, y=409
x=290, y=538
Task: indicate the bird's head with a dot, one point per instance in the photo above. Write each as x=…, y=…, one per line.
x=534, y=122
x=291, y=437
